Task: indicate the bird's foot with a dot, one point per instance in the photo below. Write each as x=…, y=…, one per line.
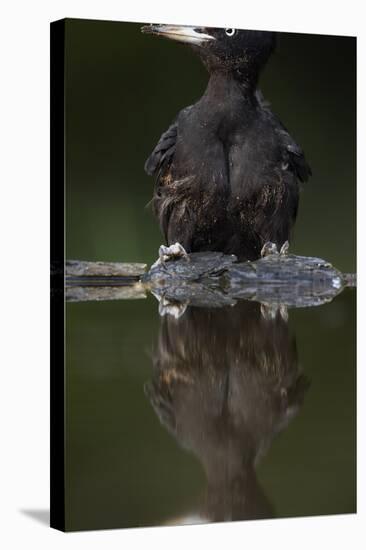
x=284, y=249
x=171, y=252
x=174, y=309
x=270, y=249
x=169, y=307
x=269, y=312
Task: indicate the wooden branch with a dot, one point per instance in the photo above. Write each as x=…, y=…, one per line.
x=76, y=268
x=211, y=279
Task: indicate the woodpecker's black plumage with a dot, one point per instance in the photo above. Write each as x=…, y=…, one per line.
x=227, y=171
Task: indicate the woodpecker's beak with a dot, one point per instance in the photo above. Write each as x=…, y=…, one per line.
x=189, y=35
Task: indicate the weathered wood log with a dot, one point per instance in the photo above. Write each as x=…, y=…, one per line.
x=100, y=281
x=211, y=279
x=76, y=268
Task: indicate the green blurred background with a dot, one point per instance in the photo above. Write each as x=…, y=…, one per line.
x=123, y=89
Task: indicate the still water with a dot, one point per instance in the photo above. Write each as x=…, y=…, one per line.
x=223, y=414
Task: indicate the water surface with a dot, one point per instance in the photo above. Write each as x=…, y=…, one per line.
x=223, y=414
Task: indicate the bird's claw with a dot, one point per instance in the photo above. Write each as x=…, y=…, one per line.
x=174, y=309
x=269, y=312
x=270, y=249
x=284, y=249
x=169, y=307
x=171, y=252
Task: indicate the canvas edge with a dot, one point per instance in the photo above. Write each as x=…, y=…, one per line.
x=57, y=368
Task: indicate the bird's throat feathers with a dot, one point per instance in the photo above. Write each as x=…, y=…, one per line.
x=230, y=88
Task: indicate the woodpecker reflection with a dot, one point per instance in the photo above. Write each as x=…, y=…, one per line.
x=225, y=382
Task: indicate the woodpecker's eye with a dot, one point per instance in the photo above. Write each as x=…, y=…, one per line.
x=230, y=32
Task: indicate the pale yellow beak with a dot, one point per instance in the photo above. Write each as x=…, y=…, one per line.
x=180, y=33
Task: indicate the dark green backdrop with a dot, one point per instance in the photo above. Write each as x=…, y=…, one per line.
x=122, y=91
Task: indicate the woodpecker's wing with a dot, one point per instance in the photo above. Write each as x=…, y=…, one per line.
x=292, y=152
x=164, y=151
x=294, y=155
x=163, y=154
